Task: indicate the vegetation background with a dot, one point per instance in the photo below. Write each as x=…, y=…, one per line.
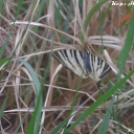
x=37, y=94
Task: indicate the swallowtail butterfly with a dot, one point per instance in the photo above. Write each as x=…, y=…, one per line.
x=83, y=64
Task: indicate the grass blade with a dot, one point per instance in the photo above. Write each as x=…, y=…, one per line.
x=92, y=11
x=63, y=39
x=3, y=61
x=3, y=107
x=127, y=46
x=33, y=127
x=73, y=102
x=105, y=123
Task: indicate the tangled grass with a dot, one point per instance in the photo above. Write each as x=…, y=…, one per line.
x=37, y=93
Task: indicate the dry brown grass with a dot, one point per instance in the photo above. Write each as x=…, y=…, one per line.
x=35, y=47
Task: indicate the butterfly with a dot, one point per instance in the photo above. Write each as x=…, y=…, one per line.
x=83, y=63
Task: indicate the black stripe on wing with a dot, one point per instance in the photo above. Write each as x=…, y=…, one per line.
x=92, y=64
x=106, y=69
x=73, y=60
x=87, y=61
x=67, y=57
x=57, y=56
x=78, y=55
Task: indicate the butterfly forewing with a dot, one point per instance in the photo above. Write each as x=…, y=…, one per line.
x=83, y=64
x=72, y=60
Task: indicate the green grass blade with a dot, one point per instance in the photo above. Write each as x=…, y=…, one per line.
x=105, y=123
x=73, y=102
x=4, y=45
x=127, y=46
x=63, y=40
x=42, y=3
x=1, y=7
x=100, y=101
x=18, y=9
x=3, y=61
x=33, y=75
x=92, y=11
x=3, y=107
x=33, y=127
x=102, y=18
x=60, y=126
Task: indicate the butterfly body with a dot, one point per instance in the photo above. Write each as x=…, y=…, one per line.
x=83, y=64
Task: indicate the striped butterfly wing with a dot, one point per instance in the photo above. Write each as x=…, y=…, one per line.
x=83, y=64
x=98, y=66
x=72, y=60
